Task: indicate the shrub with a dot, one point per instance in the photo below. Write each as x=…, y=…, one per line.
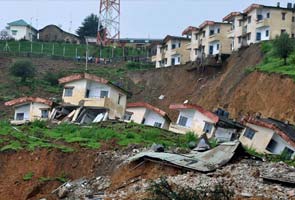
x=266, y=47
x=23, y=69
x=162, y=190
x=52, y=78
x=190, y=137
x=138, y=65
x=292, y=58
x=283, y=46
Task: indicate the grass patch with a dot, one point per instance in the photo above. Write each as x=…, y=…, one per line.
x=28, y=176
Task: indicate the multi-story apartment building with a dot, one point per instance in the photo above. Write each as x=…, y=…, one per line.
x=259, y=22
x=173, y=51
x=192, y=32
x=210, y=39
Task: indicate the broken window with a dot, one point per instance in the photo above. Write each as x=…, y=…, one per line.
x=249, y=133
x=157, y=124
x=20, y=116
x=104, y=93
x=44, y=114
x=271, y=145
x=287, y=153
x=182, y=121
x=208, y=127
x=68, y=92
x=283, y=16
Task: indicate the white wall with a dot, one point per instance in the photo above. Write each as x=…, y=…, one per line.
x=263, y=30
x=281, y=144
x=95, y=89
x=188, y=114
x=23, y=32
x=23, y=109
x=177, y=59
x=138, y=114
x=151, y=117
x=224, y=134
x=215, y=45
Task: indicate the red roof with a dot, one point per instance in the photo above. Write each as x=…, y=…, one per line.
x=189, y=30
x=148, y=106
x=252, y=7
x=23, y=100
x=205, y=23
x=208, y=114
x=231, y=15
x=76, y=77
x=265, y=124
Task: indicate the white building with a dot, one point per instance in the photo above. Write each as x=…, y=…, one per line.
x=144, y=113
x=269, y=136
x=30, y=109
x=20, y=29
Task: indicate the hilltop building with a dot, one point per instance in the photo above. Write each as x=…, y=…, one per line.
x=21, y=30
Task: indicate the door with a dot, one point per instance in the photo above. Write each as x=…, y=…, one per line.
x=211, y=50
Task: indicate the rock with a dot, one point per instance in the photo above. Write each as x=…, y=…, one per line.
x=246, y=194
x=157, y=148
x=291, y=193
x=63, y=192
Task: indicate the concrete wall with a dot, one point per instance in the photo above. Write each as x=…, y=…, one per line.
x=138, y=114
x=23, y=109
x=23, y=32
x=32, y=111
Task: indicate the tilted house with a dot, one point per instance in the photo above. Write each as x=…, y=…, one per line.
x=194, y=118
x=30, y=109
x=144, y=113
x=90, y=96
x=267, y=135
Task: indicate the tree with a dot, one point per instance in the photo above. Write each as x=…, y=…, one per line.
x=283, y=46
x=4, y=35
x=89, y=27
x=23, y=69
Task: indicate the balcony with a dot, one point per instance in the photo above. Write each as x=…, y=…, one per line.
x=263, y=23
x=97, y=102
x=215, y=37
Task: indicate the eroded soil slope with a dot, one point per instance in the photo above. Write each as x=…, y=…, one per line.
x=230, y=87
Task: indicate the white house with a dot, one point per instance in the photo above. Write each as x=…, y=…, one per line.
x=20, y=29
x=194, y=118
x=30, y=109
x=144, y=113
x=95, y=95
x=269, y=136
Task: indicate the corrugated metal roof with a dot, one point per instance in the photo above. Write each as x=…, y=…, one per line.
x=199, y=161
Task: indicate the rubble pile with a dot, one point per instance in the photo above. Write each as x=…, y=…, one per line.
x=244, y=178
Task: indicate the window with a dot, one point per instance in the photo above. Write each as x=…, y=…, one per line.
x=271, y=145
x=240, y=22
x=249, y=36
x=68, y=92
x=128, y=116
x=182, y=121
x=208, y=127
x=179, y=45
x=259, y=17
x=44, y=114
x=249, y=19
x=143, y=121
x=283, y=16
x=266, y=33
x=293, y=19
x=120, y=98
x=292, y=35
x=287, y=153
x=239, y=40
x=249, y=133
x=268, y=15
x=14, y=32
x=211, y=32
x=104, y=94
x=87, y=93
x=157, y=124
x=178, y=59
x=258, y=36
x=173, y=46
x=217, y=47
x=218, y=30
x=204, y=33
x=283, y=31
x=20, y=116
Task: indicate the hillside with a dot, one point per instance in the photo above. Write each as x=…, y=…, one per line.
x=231, y=87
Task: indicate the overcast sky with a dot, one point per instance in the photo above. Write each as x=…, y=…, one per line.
x=139, y=18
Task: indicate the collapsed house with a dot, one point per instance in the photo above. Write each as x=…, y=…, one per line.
x=270, y=136
x=28, y=109
x=144, y=113
x=194, y=118
x=88, y=98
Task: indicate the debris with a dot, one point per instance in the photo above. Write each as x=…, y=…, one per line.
x=157, y=148
x=161, y=97
x=203, y=144
x=197, y=161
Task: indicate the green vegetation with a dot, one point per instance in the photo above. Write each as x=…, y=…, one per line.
x=23, y=69
x=163, y=190
x=89, y=27
x=41, y=135
x=283, y=46
x=66, y=50
x=138, y=66
x=28, y=176
x=273, y=62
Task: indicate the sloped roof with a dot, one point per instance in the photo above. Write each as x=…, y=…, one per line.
x=210, y=23
x=189, y=30
x=286, y=131
x=52, y=25
x=23, y=100
x=170, y=37
x=76, y=77
x=20, y=22
x=231, y=15
x=148, y=106
x=208, y=114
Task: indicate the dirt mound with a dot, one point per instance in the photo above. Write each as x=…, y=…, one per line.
x=48, y=167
